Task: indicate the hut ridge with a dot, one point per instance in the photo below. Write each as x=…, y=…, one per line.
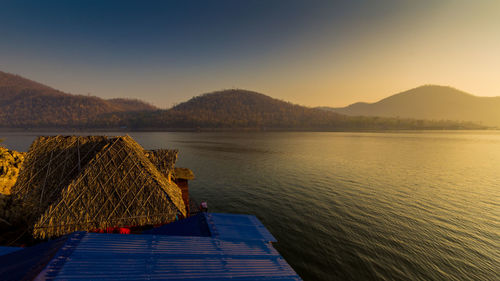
x=85, y=183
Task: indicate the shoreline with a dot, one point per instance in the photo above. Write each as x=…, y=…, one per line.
x=236, y=130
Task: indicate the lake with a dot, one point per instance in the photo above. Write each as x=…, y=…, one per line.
x=353, y=206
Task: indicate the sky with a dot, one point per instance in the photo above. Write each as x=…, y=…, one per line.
x=314, y=53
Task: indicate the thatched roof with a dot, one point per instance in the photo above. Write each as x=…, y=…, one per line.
x=84, y=183
x=164, y=160
x=10, y=163
x=183, y=173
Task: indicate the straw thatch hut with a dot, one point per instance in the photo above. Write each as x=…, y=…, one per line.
x=164, y=160
x=85, y=183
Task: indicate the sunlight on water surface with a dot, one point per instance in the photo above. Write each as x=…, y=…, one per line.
x=354, y=206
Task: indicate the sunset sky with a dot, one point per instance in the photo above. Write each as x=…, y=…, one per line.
x=330, y=53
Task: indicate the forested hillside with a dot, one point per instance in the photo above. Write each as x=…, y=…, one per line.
x=241, y=109
x=433, y=103
x=27, y=103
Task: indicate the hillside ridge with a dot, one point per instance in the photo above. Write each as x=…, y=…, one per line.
x=28, y=104
x=24, y=102
x=430, y=102
x=244, y=109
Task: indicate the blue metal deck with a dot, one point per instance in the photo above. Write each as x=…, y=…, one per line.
x=8, y=250
x=91, y=256
x=192, y=226
x=237, y=227
x=26, y=264
x=217, y=225
x=208, y=246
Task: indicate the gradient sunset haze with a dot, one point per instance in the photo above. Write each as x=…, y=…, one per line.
x=314, y=53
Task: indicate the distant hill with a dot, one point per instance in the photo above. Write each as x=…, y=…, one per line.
x=432, y=103
x=238, y=109
x=27, y=103
x=242, y=109
x=123, y=104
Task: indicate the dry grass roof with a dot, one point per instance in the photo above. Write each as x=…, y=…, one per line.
x=183, y=173
x=84, y=183
x=164, y=160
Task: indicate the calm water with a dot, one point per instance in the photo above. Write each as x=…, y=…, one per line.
x=354, y=206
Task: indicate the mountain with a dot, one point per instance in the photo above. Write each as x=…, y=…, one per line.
x=242, y=109
x=28, y=103
x=123, y=104
x=432, y=103
x=234, y=108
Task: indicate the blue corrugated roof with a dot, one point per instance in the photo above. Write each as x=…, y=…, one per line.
x=26, y=264
x=192, y=226
x=7, y=250
x=213, y=247
x=91, y=256
x=217, y=225
x=238, y=227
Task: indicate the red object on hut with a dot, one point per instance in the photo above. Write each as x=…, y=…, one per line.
x=120, y=230
x=124, y=230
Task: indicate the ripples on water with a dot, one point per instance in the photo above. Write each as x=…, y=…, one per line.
x=355, y=206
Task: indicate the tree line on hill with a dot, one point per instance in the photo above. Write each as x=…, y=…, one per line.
x=25, y=103
x=240, y=109
x=28, y=104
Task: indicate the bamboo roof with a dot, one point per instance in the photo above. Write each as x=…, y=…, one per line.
x=183, y=173
x=164, y=160
x=84, y=183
